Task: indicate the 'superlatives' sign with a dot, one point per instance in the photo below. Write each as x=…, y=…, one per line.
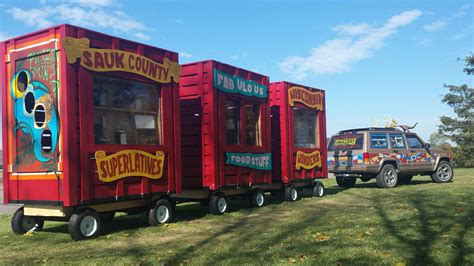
x=105, y=60
x=234, y=84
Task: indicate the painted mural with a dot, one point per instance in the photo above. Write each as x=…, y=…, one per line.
x=33, y=89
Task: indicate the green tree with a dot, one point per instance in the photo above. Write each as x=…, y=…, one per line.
x=460, y=129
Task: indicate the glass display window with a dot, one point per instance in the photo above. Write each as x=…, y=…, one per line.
x=305, y=128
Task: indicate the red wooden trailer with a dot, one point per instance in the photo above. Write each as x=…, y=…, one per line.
x=225, y=133
x=298, y=126
x=90, y=126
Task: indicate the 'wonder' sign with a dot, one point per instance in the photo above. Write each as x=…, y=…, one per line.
x=105, y=60
x=234, y=84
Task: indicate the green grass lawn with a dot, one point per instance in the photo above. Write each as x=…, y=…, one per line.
x=421, y=223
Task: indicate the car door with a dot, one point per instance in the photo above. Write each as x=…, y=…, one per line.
x=399, y=150
x=419, y=156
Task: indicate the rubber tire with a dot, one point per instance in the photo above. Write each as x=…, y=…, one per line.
x=345, y=182
x=381, y=183
x=253, y=198
x=318, y=189
x=152, y=219
x=17, y=220
x=214, y=204
x=288, y=193
x=107, y=217
x=405, y=179
x=434, y=176
x=74, y=226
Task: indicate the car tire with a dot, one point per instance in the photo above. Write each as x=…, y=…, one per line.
x=291, y=193
x=387, y=177
x=404, y=179
x=22, y=224
x=218, y=204
x=85, y=225
x=444, y=173
x=345, y=182
x=257, y=198
x=161, y=213
x=318, y=189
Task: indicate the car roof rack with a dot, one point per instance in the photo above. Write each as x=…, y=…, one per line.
x=369, y=129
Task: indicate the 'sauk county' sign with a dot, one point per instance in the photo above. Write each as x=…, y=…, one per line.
x=105, y=60
x=262, y=161
x=129, y=163
x=311, y=99
x=234, y=84
x=308, y=160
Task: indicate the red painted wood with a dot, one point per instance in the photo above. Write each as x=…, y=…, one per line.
x=196, y=82
x=283, y=134
x=76, y=144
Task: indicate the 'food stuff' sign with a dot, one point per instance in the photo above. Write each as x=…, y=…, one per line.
x=262, y=161
x=105, y=60
x=311, y=99
x=234, y=84
x=129, y=163
x=308, y=160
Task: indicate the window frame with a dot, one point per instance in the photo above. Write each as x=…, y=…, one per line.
x=242, y=136
x=405, y=143
x=380, y=134
x=317, y=129
x=159, y=116
x=416, y=137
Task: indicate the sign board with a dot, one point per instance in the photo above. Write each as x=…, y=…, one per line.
x=234, y=84
x=311, y=99
x=262, y=161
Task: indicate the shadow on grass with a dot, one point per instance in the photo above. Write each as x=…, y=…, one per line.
x=421, y=244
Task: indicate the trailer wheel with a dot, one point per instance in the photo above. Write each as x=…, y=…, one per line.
x=318, y=189
x=257, y=198
x=161, y=213
x=85, y=225
x=107, y=217
x=22, y=224
x=291, y=193
x=218, y=204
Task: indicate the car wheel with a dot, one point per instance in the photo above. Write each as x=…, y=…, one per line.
x=218, y=204
x=257, y=198
x=161, y=213
x=387, y=177
x=318, y=189
x=404, y=179
x=291, y=193
x=345, y=182
x=85, y=225
x=22, y=224
x=444, y=173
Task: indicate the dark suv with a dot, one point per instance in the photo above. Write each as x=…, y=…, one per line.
x=389, y=155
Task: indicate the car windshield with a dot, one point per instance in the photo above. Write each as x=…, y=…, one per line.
x=346, y=142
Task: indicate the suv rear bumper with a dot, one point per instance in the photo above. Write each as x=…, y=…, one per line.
x=356, y=170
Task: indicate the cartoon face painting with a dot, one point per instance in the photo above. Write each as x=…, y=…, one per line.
x=35, y=114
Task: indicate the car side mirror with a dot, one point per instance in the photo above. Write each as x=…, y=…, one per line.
x=427, y=146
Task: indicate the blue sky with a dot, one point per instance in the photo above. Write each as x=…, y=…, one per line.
x=375, y=59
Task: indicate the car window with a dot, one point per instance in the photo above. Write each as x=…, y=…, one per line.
x=397, y=141
x=414, y=142
x=346, y=142
x=378, y=141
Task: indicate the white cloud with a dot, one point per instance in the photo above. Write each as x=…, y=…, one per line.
x=90, y=3
x=436, y=26
x=462, y=11
x=185, y=55
x=81, y=15
x=238, y=56
x=4, y=36
x=337, y=55
x=352, y=29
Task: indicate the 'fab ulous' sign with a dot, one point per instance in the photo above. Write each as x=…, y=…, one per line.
x=308, y=160
x=234, y=84
x=129, y=163
x=105, y=60
x=311, y=99
x=261, y=161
